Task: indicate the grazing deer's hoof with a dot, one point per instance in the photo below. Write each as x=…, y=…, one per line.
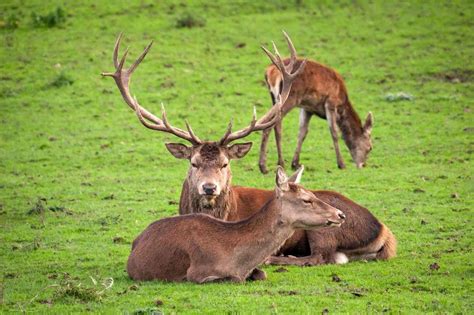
x=257, y=275
x=341, y=165
x=263, y=168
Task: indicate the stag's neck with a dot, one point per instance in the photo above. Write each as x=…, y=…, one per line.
x=261, y=235
x=192, y=202
x=349, y=123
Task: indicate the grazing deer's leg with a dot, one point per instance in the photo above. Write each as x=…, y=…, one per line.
x=262, y=162
x=277, y=128
x=331, y=118
x=305, y=117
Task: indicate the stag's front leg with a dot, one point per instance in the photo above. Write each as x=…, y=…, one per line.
x=331, y=118
x=312, y=260
x=305, y=117
x=262, y=163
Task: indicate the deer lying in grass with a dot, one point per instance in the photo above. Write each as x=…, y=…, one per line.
x=216, y=250
x=208, y=189
x=320, y=91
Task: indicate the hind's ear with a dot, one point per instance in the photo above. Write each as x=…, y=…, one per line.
x=296, y=177
x=281, y=179
x=179, y=151
x=369, y=121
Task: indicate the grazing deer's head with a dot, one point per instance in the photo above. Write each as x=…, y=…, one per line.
x=301, y=206
x=209, y=173
x=363, y=144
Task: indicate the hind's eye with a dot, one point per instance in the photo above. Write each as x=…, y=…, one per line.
x=225, y=165
x=307, y=201
x=194, y=165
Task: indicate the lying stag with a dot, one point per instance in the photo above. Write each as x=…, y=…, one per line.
x=208, y=189
x=216, y=250
x=320, y=91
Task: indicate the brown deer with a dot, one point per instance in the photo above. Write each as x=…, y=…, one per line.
x=320, y=91
x=208, y=189
x=216, y=250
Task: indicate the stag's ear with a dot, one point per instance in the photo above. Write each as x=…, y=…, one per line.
x=239, y=150
x=296, y=177
x=368, y=123
x=179, y=151
x=281, y=180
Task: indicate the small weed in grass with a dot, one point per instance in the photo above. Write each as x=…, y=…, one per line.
x=70, y=288
x=397, y=97
x=54, y=18
x=62, y=80
x=147, y=311
x=189, y=21
x=12, y=22
x=39, y=207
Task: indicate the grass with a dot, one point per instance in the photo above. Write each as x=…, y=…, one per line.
x=80, y=177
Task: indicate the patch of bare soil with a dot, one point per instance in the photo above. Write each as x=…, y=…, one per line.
x=455, y=76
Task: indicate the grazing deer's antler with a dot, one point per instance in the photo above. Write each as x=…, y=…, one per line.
x=122, y=79
x=289, y=73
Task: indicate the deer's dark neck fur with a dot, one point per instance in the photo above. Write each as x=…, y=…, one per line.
x=349, y=123
x=219, y=207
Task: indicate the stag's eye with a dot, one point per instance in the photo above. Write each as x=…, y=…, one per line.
x=225, y=165
x=307, y=201
x=194, y=165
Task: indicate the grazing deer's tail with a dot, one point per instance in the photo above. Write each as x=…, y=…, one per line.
x=389, y=248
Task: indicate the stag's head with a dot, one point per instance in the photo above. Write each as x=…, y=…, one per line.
x=363, y=144
x=300, y=207
x=209, y=170
x=209, y=173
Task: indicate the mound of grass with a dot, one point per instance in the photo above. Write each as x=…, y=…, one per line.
x=54, y=18
x=190, y=20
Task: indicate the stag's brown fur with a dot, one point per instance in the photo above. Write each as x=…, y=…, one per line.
x=214, y=249
x=320, y=90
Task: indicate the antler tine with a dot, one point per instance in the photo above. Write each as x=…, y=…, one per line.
x=116, y=50
x=226, y=134
x=229, y=137
x=189, y=136
x=140, y=58
x=292, y=50
x=122, y=79
x=271, y=56
x=191, y=133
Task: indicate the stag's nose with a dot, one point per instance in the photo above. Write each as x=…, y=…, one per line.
x=209, y=189
x=341, y=215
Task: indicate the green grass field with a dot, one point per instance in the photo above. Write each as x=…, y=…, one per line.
x=80, y=177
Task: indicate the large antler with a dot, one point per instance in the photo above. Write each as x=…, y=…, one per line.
x=122, y=79
x=289, y=73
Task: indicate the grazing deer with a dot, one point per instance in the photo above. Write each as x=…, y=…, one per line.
x=320, y=91
x=215, y=250
x=208, y=189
